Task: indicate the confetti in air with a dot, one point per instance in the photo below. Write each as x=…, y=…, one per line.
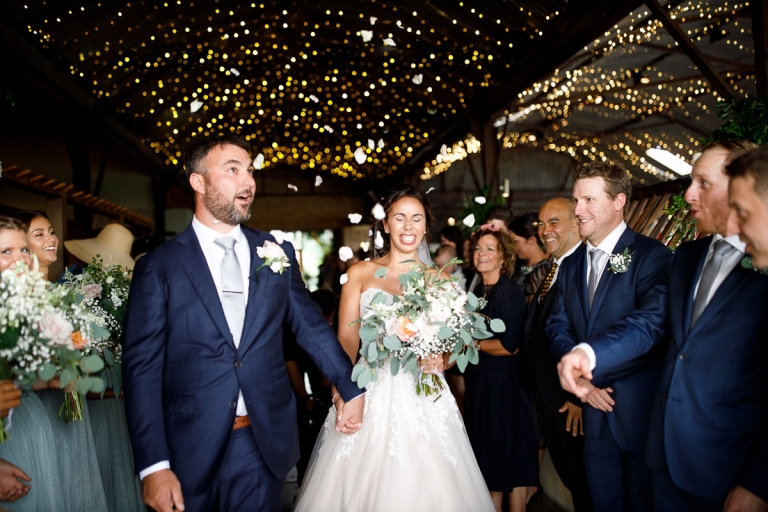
x=370, y=232
x=195, y=106
x=373, y=20
x=279, y=236
x=360, y=156
x=365, y=246
x=343, y=279
x=379, y=242
x=381, y=143
x=258, y=162
x=378, y=212
x=234, y=72
x=318, y=181
x=389, y=42
x=328, y=129
x=371, y=144
x=293, y=187
x=417, y=79
x=314, y=98
x=469, y=220
x=480, y=200
x=345, y=253
x=367, y=35
x=430, y=190
x=355, y=218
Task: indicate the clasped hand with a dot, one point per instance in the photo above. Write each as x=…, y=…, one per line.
x=575, y=376
x=349, y=415
x=433, y=364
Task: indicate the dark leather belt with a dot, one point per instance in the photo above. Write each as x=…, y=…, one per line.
x=241, y=422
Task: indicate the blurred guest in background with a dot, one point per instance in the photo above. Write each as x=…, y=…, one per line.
x=498, y=412
x=524, y=232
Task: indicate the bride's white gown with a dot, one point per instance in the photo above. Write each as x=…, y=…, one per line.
x=412, y=453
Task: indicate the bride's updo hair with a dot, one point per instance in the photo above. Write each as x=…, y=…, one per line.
x=397, y=193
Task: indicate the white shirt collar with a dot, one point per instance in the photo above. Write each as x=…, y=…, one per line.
x=208, y=236
x=734, y=240
x=568, y=253
x=610, y=241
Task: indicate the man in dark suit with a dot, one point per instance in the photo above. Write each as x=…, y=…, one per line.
x=210, y=411
x=602, y=282
x=559, y=412
x=708, y=439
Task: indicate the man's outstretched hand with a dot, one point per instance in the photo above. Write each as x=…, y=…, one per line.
x=573, y=367
x=162, y=491
x=349, y=415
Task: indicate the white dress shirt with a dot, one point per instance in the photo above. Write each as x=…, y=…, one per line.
x=214, y=254
x=607, y=246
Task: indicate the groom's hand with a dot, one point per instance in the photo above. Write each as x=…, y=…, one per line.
x=349, y=415
x=573, y=366
x=162, y=491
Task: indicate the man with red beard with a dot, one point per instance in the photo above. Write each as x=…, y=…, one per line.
x=707, y=443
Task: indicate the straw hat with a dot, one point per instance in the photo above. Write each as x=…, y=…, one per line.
x=112, y=244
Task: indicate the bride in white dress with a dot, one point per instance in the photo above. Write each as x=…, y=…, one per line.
x=412, y=452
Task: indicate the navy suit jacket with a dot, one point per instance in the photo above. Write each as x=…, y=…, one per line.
x=618, y=294
x=709, y=424
x=182, y=371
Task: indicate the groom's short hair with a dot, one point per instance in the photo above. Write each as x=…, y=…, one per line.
x=199, y=149
x=615, y=176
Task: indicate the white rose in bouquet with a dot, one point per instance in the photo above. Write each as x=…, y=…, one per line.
x=56, y=328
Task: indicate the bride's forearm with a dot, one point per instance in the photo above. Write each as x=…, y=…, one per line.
x=493, y=347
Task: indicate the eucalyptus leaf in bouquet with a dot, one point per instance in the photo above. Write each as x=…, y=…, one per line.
x=433, y=316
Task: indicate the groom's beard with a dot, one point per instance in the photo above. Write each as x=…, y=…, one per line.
x=223, y=209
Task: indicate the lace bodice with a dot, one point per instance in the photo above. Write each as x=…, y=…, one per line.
x=367, y=296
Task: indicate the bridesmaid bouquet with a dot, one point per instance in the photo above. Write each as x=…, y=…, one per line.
x=39, y=326
x=104, y=292
x=433, y=316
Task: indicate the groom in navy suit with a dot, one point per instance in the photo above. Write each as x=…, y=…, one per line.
x=708, y=439
x=210, y=410
x=602, y=282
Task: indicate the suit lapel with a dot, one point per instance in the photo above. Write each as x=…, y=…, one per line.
x=256, y=282
x=735, y=281
x=582, y=262
x=192, y=260
x=626, y=240
x=692, y=273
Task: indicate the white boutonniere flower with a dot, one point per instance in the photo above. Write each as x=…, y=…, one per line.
x=524, y=270
x=274, y=257
x=620, y=262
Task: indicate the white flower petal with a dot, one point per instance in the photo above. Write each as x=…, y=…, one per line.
x=367, y=35
x=381, y=143
x=195, y=106
x=360, y=156
x=314, y=98
x=345, y=253
x=444, y=149
x=389, y=42
x=318, y=181
x=328, y=129
x=279, y=236
x=371, y=144
x=258, y=162
x=355, y=218
x=480, y=200
x=234, y=72
x=469, y=220
x=378, y=212
x=343, y=279
x=379, y=241
x=417, y=79
x=370, y=232
x=430, y=190
x=293, y=187
x=373, y=20
x=365, y=246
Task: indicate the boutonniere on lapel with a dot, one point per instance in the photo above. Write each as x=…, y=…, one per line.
x=746, y=262
x=620, y=262
x=274, y=257
x=525, y=270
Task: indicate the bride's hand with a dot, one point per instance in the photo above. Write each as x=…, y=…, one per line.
x=433, y=364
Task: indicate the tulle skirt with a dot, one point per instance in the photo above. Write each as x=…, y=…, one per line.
x=412, y=453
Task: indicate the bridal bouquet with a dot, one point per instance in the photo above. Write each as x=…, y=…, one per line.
x=433, y=316
x=104, y=292
x=39, y=326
